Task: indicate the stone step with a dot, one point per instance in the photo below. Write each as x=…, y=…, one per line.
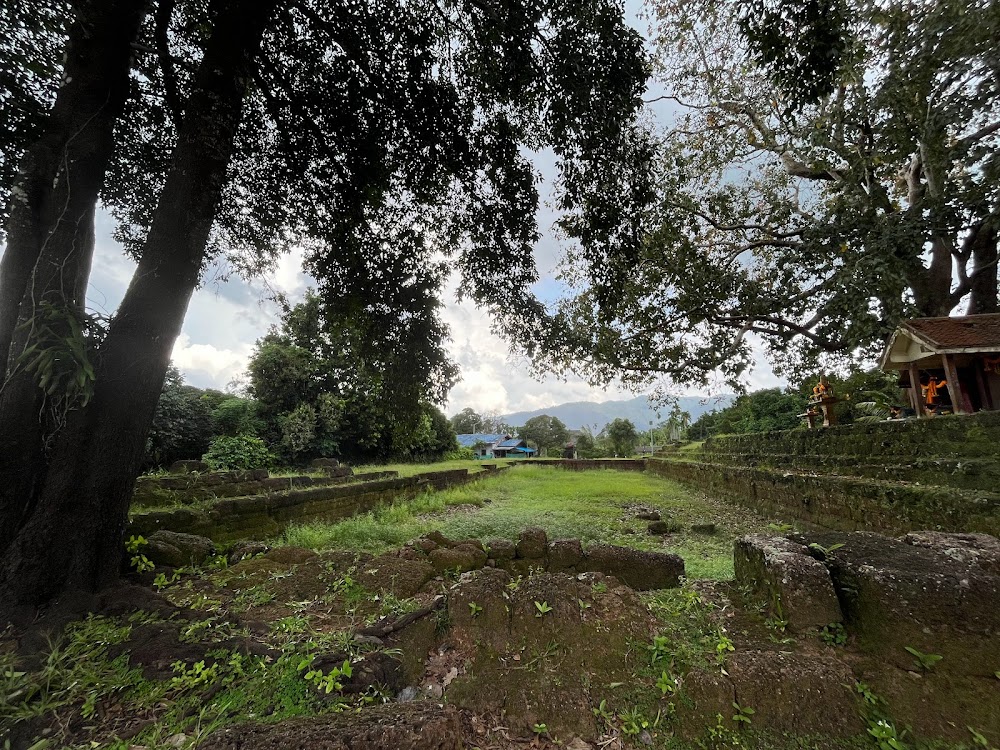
x=839, y=501
x=961, y=473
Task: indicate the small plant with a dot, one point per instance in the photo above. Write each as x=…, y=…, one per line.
x=584, y=605
x=543, y=608
x=599, y=587
x=780, y=528
x=194, y=676
x=328, y=682
x=659, y=648
x=926, y=662
x=743, y=714
x=833, y=634
x=633, y=722
x=723, y=647
x=667, y=684
x=603, y=713
x=886, y=736
x=825, y=551
x=161, y=581
x=475, y=609
x=139, y=561
x=978, y=740
x=540, y=729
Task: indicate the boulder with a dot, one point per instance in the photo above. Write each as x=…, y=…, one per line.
x=931, y=592
x=703, y=528
x=290, y=555
x=175, y=550
x=418, y=725
x=659, y=528
x=324, y=463
x=793, y=586
x=245, y=550
x=462, y=558
x=636, y=568
x=532, y=544
x=565, y=555
x=501, y=550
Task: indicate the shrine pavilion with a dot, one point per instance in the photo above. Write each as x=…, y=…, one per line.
x=948, y=365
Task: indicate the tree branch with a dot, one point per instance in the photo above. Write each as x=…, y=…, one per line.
x=164, y=11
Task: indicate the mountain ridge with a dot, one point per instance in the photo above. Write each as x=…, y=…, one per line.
x=595, y=414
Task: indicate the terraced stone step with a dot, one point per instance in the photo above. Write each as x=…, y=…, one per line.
x=960, y=473
x=841, y=502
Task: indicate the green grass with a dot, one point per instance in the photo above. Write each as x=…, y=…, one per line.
x=408, y=470
x=591, y=506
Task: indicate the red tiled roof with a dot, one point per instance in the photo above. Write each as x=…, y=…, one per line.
x=972, y=331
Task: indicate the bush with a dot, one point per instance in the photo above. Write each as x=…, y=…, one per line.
x=460, y=454
x=240, y=452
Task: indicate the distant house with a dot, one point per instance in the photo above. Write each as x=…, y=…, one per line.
x=489, y=445
x=513, y=448
x=948, y=364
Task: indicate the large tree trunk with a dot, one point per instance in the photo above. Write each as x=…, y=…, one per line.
x=73, y=540
x=50, y=233
x=983, y=280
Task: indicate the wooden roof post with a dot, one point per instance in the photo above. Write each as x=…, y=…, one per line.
x=916, y=397
x=954, y=386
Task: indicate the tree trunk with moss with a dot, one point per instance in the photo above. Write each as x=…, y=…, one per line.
x=72, y=540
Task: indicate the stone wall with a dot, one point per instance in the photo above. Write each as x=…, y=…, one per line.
x=939, y=473
x=265, y=516
x=586, y=464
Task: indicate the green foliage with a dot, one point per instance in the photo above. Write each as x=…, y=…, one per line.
x=545, y=432
x=240, y=452
x=623, y=436
x=460, y=454
x=833, y=634
x=542, y=609
x=830, y=169
x=236, y=416
x=182, y=427
x=474, y=609
x=925, y=662
x=327, y=384
x=138, y=562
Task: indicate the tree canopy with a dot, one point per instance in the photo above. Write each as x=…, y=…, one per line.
x=622, y=435
x=811, y=220
x=545, y=432
x=326, y=387
x=387, y=139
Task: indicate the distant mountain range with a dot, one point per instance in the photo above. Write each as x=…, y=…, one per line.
x=579, y=414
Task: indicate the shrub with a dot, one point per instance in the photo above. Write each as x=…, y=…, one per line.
x=239, y=452
x=461, y=454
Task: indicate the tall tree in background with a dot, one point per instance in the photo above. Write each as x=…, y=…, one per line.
x=548, y=433
x=833, y=167
x=379, y=136
x=622, y=435
x=327, y=385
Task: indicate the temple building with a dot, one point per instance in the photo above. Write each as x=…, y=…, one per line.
x=948, y=365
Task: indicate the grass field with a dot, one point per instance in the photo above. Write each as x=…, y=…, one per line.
x=589, y=505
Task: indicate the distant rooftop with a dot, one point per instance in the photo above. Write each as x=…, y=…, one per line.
x=470, y=439
x=965, y=332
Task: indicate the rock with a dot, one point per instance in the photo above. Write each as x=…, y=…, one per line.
x=425, y=545
x=659, y=528
x=501, y=550
x=795, y=693
x=703, y=528
x=929, y=592
x=638, y=569
x=400, y=576
x=176, y=550
x=417, y=725
x=648, y=515
x=246, y=550
x=464, y=557
x=565, y=555
x=407, y=694
x=532, y=544
x=792, y=585
x=376, y=668
x=290, y=555
x=324, y=463
x=188, y=467
x=438, y=538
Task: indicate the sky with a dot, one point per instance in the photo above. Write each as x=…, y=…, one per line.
x=226, y=317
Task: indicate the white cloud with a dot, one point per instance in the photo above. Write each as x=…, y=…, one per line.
x=206, y=365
